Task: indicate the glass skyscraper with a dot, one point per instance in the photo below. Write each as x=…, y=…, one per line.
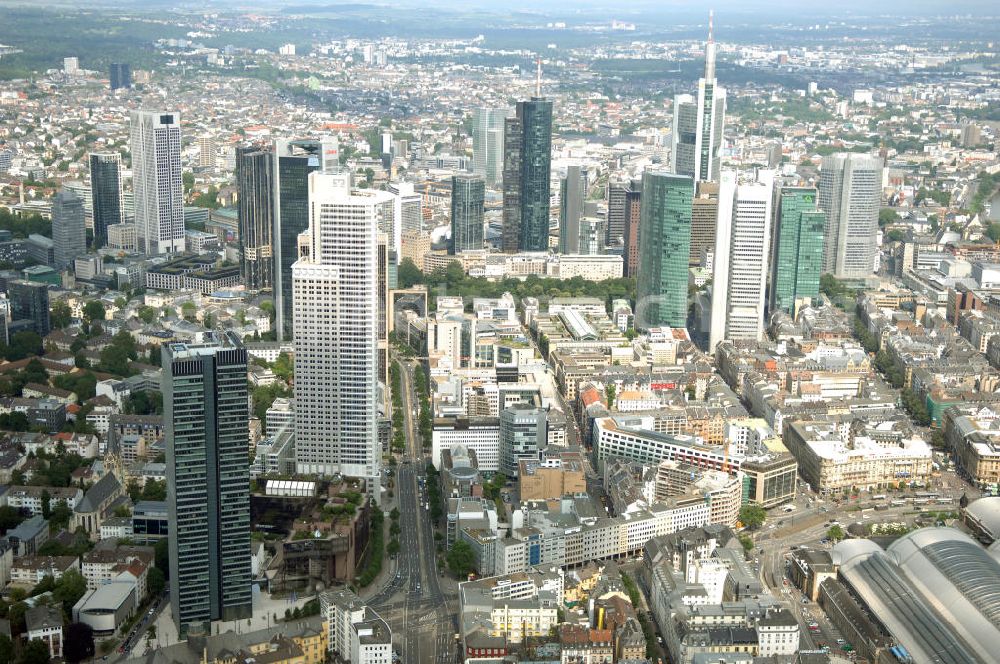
x=468, y=193
x=106, y=194
x=850, y=193
x=664, y=245
x=526, y=169
x=487, y=143
x=156, y=181
x=798, y=249
x=120, y=75
x=254, y=173
x=208, y=480
x=69, y=230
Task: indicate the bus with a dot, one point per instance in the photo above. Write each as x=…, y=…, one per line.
x=898, y=503
x=928, y=495
x=945, y=501
x=921, y=501
x=880, y=496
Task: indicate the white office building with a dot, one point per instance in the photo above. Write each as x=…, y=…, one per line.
x=335, y=327
x=156, y=181
x=487, y=143
x=850, y=192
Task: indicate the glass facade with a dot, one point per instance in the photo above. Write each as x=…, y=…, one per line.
x=798, y=248
x=468, y=194
x=536, y=163
x=664, y=246
x=106, y=195
x=254, y=173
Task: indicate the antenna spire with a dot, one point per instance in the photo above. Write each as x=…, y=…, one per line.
x=538, y=78
x=710, y=48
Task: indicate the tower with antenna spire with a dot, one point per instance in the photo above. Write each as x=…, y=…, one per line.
x=696, y=141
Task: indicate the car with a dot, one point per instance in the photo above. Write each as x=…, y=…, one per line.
x=841, y=642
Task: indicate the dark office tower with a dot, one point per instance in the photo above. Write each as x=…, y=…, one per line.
x=29, y=302
x=615, y=225
x=106, y=194
x=572, y=192
x=798, y=249
x=536, y=163
x=663, y=250
x=120, y=75
x=513, y=140
x=468, y=193
x=704, y=215
x=255, y=216
x=69, y=230
x=293, y=162
x=631, y=209
x=208, y=478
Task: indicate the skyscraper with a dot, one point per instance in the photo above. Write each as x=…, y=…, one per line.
x=335, y=325
x=696, y=141
x=704, y=216
x=523, y=434
x=69, y=230
x=739, y=276
x=408, y=206
x=631, y=215
x=468, y=193
x=29, y=301
x=156, y=181
x=664, y=245
x=798, y=249
x=255, y=215
x=293, y=162
x=106, y=194
x=208, y=478
x=487, y=143
x=572, y=192
x=527, y=168
x=850, y=192
x=121, y=75
x=615, y=225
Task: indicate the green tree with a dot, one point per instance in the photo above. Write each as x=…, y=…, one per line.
x=752, y=516
x=283, y=367
x=148, y=314
x=835, y=533
x=60, y=315
x=993, y=231
x=78, y=642
x=156, y=581
x=461, y=560
x=94, y=311
x=408, y=274
x=162, y=552
x=188, y=179
x=6, y=649
x=887, y=216
x=610, y=393
x=46, y=504
x=61, y=515
x=70, y=589
x=23, y=344
x=34, y=651
x=747, y=543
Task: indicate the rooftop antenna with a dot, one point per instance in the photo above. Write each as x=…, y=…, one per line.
x=710, y=49
x=538, y=78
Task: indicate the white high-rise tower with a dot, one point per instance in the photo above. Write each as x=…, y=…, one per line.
x=335, y=325
x=850, y=193
x=742, y=243
x=156, y=181
x=487, y=143
x=696, y=140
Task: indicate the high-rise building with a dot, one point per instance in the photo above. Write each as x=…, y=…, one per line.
x=71, y=66
x=208, y=480
x=523, y=435
x=106, y=194
x=591, y=236
x=704, y=213
x=334, y=285
x=468, y=193
x=797, y=257
x=255, y=215
x=120, y=74
x=572, y=193
x=664, y=245
x=408, y=207
x=850, y=192
x=487, y=143
x=156, y=181
x=527, y=169
x=206, y=151
x=69, y=229
x=615, y=224
x=696, y=147
x=739, y=275
x=631, y=215
x=293, y=161
x=29, y=301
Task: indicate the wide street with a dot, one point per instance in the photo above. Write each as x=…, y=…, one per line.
x=422, y=617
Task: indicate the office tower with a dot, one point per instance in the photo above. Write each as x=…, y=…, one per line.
x=255, y=215
x=206, y=151
x=704, y=213
x=739, y=275
x=572, y=193
x=69, y=230
x=798, y=249
x=386, y=281
x=120, y=75
x=591, y=236
x=527, y=168
x=523, y=435
x=468, y=192
x=697, y=127
x=293, y=161
x=630, y=228
x=71, y=66
x=850, y=192
x=106, y=194
x=615, y=225
x=29, y=301
x=156, y=181
x=487, y=143
x=335, y=326
x=408, y=206
x=664, y=245
x=208, y=480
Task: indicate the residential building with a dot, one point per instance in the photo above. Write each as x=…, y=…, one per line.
x=45, y=623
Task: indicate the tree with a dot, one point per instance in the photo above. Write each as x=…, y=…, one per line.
x=148, y=314
x=610, y=393
x=747, y=543
x=34, y=652
x=94, y=311
x=10, y=517
x=46, y=504
x=71, y=587
x=78, y=642
x=61, y=515
x=752, y=516
x=835, y=533
x=156, y=581
x=408, y=274
x=60, y=315
x=162, y=552
x=6, y=649
x=887, y=216
x=22, y=345
x=461, y=560
x=993, y=231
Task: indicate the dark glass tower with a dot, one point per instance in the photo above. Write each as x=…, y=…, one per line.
x=468, y=193
x=29, y=301
x=106, y=194
x=120, y=75
x=798, y=249
x=664, y=245
x=69, y=229
x=536, y=163
x=254, y=173
x=513, y=140
x=208, y=478
x=293, y=162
